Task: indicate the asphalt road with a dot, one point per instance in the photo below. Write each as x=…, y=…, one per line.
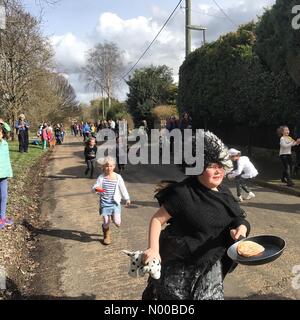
x=74, y=264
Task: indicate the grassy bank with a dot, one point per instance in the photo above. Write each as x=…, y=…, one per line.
x=17, y=242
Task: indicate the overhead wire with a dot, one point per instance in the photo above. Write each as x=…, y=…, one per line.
x=152, y=42
x=224, y=13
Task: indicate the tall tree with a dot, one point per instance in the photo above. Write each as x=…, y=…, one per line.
x=104, y=68
x=149, y=87
x=25, y=55
x=52, y=99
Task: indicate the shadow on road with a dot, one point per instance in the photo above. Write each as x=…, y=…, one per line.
x=46, y=297
x=74, y=235
x=136, y=204
x=284, y=208
x=15, y=294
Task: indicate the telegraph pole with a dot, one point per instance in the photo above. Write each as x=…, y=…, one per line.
x=188, y=31
x=189, y=27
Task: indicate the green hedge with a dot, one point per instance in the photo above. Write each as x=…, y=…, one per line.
x=225, y=82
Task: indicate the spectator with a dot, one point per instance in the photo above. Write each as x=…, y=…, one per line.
x=22, y=127
x=185, y=122
x=285, y=153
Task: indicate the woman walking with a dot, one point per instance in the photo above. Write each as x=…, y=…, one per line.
x=22, y=127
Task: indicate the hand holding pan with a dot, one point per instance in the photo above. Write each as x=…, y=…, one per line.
x=274, y=246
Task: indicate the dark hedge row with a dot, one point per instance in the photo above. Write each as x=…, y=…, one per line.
x=225, y=83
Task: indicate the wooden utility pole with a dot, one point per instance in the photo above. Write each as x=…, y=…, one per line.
x=188, y=31
x=189, y=27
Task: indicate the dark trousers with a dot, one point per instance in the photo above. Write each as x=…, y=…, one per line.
x=120, y=166
x=287, y=162
x=90, y=166
x=241, y=185
x=23, y=140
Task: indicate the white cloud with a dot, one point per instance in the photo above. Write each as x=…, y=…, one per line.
x=69, y=52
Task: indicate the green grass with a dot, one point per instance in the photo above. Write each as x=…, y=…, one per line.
x=22, y=161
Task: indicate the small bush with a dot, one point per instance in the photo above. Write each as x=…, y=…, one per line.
x=164, y=111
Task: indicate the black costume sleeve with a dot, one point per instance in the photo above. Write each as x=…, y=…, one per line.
x=241, y=220
x=169, y=199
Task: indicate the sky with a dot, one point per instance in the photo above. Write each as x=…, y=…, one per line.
x=75, y=26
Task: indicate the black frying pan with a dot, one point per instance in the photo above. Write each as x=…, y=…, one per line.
x=273, y=245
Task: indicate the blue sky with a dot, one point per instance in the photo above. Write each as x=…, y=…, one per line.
x=74, y=26
x=80, y=16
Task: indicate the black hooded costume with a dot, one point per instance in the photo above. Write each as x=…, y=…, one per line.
x=193, y=245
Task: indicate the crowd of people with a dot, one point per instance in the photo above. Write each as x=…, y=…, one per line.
x=203, y=217
x=88, y=129
x=48, y=135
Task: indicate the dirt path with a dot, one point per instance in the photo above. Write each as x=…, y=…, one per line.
x=75, y=265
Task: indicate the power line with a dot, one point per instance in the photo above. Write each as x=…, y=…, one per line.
x=150, y=45
x=225, y=14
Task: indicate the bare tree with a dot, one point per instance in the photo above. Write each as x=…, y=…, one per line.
x=103, y=68
x=52, y=99
x=67, y=101
x=25, y=55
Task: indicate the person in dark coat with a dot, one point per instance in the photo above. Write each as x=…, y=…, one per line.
x=203, y=219
x=22, y=127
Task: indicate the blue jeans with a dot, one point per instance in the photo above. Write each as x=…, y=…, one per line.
x=3, y=196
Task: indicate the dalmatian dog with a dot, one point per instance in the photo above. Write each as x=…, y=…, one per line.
x=138, y=269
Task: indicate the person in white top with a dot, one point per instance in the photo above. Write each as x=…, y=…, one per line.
x=243, y=171
x=112, y=124
x=111, y=188
x=285, y=153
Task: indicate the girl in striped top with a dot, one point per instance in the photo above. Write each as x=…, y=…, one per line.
x=111, y=188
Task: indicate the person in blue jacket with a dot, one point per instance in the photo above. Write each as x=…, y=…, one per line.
x=5, y=173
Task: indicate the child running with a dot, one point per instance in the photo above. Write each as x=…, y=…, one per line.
x=111, y=188
x=244, y=171
x=5, y=172
x=90, y=153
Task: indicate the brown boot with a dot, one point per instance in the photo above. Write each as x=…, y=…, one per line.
x=107, y=236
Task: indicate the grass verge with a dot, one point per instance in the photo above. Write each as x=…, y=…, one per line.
x=17, y=243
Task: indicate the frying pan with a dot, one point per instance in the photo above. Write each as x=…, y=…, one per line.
x=274, y=247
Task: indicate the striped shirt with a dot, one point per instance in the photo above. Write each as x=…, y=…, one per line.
x=107, y=198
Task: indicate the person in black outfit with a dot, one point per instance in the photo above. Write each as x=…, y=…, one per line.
x=58, y=134
x=90, y=153
x=297, y=148
x=203, y=221
x=22, y=127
